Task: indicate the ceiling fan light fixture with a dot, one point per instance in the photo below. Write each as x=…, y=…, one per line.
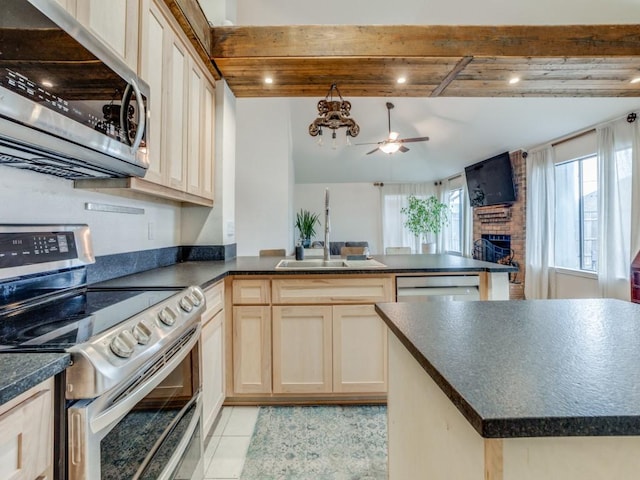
x=390, y=147
x=334, y=114
x=393, y=136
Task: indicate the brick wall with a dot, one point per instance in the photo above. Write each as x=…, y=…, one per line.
x=508, y=220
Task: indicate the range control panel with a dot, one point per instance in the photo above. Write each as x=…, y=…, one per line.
x=17, y=249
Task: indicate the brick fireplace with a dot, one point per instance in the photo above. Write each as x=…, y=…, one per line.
x=499, y=222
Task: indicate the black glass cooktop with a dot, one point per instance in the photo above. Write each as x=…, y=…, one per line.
x=62, y=323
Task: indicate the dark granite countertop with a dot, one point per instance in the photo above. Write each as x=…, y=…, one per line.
x=530, y=368
x=205, y=273
x=21, y=371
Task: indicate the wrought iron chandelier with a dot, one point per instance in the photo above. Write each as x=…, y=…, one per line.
x=334, y=114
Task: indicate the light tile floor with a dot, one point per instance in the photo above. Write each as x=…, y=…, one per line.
x=228, y=444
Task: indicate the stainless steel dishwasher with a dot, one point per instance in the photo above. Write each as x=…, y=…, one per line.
x=437, y=288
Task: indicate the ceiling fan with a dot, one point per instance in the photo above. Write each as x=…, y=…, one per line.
x=393, y=144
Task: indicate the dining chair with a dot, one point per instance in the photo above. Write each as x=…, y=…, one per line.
x=344, y=251
x=273, y=252
x=397, y=250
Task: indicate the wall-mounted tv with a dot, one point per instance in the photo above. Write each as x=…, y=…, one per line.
x=490, y=182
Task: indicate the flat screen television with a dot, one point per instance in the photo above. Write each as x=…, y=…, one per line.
x=490, y=182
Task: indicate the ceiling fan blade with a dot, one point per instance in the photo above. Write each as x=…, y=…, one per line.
x=416, y=139
x=374, y=150
x=403, y=149
x=370, y=143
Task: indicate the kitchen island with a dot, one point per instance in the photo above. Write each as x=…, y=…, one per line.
x=546, y=389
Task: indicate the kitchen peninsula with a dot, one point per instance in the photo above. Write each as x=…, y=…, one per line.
x=514, y=390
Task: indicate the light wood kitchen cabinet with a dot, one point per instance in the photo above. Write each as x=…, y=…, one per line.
x=302, y=349
x=252, y=349
x=212, y=355
x=251, y=292
x=359, y=349
x=116, y=23
x=26, y=443
x=326, y=342
x=181, y=105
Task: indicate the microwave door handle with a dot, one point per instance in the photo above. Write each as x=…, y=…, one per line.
x=142, y=116
x=124, y=118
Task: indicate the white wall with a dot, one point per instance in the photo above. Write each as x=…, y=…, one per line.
x=354, y=207
x=216, y=226
x=264, y=176
x=571, y=284
x=28, y=197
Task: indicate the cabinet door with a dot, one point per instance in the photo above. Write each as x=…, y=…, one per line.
x=302, y=349
x=176, y=118
x=26, y=443
x=194, y=139
x=212, y=368
x=208, y=141
x=359, y=349
x=116, y=23
x=154, y=47
x=252, y=349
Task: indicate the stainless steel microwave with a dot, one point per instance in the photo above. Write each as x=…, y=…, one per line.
x=68, y=105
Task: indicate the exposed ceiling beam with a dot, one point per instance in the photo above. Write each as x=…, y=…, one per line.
x=550, y=61
x=426, y=41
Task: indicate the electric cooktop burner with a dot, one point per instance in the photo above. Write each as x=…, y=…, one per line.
x=62, y=323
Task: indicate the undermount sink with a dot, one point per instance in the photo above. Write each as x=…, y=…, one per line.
x=314, y=264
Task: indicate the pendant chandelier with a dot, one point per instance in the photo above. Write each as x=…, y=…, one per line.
x=334, y=114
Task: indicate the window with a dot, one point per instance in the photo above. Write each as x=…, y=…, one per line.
x=577, y=214
x=455, y=231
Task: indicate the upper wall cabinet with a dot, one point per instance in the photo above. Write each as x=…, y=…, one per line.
x=181, y=107
x=115, y=22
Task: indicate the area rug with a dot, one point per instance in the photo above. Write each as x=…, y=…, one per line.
x=318, y=443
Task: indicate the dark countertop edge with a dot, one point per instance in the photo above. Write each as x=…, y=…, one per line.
x=51, y=365
x=520, y=427
x=452, y=394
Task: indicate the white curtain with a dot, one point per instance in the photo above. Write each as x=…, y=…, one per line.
x=393, y=198
x=540, y=222
x=617, y=172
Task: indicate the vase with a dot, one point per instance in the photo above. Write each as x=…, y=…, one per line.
x=306, y=242
x=429, y=247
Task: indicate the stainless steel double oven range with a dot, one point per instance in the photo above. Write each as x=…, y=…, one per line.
x=131, y=406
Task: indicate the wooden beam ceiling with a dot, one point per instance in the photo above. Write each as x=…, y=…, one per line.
x=570, y=60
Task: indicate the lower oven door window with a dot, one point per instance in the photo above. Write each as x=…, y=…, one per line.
x=154, y=442
x=150, y=429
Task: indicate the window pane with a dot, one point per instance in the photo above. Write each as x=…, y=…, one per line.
x=577, y=214
x=589, y=214
x=454, y=237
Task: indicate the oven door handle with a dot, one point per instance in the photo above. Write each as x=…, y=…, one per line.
x=101, y=419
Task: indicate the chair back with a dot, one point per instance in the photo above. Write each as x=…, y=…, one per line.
x=397, y=250
x=344, y=251
x=273, y=252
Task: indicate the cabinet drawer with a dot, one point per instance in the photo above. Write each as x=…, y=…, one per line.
x=214, y=296
x=251, y=292
x=333, y=290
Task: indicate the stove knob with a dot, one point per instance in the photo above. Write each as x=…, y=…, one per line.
x=197, y=293
x=195, y=300
x=123, y=343
x=185, y=304
x=167, y=316
x=141, y=333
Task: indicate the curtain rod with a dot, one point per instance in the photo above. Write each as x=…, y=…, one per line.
x=573, y=137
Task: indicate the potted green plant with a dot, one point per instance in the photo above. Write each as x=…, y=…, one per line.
x=306, y=223
x=424, y=216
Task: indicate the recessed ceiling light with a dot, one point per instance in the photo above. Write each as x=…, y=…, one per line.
x=268, y=80
x=402, y=80
x=635, y=80
x=514, y=80
x=47, y=83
